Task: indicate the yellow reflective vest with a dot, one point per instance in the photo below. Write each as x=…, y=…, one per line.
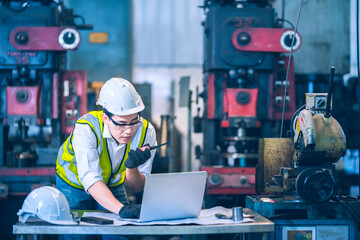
x=66, y=165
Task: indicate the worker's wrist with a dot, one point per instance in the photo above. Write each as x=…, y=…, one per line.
x=132, y=170
x=120, y=209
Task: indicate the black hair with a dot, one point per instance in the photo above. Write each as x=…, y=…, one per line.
x=109, y=114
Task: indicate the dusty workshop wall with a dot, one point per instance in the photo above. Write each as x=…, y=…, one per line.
x=162, y=80
x=168, y=33
x=110, y=58
x=168, y=40
x=353, y=65
x=324, y=27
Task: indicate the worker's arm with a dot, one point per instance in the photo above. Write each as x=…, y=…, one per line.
x=89, y=171
x=102, y=194
x=135, y=180
x=137, y=170
x=87, y=157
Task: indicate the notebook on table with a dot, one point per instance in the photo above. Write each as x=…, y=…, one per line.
x=172, y=196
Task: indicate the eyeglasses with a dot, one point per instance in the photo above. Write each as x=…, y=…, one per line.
x=124, y=126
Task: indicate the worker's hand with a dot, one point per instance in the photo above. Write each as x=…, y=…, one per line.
x=138, y=157
x=130, y=211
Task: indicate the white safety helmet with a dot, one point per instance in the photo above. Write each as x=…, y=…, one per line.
x=48, y=204
x=119, y=97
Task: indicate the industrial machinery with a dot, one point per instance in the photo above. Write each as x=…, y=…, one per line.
x=245, y=66
x=317, y=142
x=301, y=171
x=40, y=100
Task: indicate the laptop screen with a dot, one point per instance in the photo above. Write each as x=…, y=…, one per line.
x=173, y=195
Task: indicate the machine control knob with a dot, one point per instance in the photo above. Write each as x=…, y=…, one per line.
x=243, y=180
x=287, y=38
x=21, y=38
x=243, y=97
x=22, y=96
x=244, y=38
x=69, y=38
x=215, y=179
x=320, y=103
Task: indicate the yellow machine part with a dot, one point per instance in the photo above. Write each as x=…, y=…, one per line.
x=329, y=137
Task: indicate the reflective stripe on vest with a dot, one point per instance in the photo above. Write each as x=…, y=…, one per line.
x=66, y=166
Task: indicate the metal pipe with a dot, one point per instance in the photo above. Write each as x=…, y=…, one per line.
x=358, y=68
x=189, y=133
x=288, y=68
x=328, y=101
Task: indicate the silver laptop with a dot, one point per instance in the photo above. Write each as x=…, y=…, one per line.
x=172, y=196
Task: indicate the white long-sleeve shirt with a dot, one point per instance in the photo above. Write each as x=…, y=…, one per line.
x=85, y=147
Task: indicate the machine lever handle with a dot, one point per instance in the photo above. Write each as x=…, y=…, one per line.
x=328, y=101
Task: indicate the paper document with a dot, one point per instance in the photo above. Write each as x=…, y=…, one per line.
x=206, y=217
